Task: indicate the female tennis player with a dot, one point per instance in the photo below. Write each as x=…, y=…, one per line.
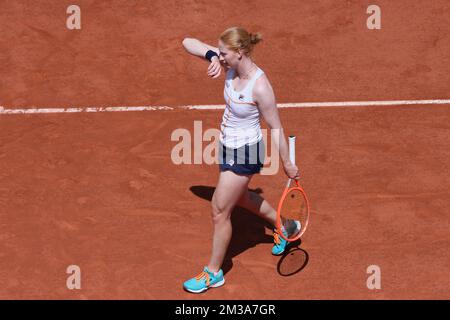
x=248, y=94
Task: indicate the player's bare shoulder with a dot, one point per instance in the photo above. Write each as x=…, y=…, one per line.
x=263, y=91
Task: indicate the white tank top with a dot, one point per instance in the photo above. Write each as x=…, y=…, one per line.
x=240, y=121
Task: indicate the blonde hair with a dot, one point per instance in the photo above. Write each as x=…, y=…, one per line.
x=237, y=38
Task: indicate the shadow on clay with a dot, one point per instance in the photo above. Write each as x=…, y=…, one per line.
x=251, y=231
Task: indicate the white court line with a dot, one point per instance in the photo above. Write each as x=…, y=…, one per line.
x=221, y=106
x=334, y=104
x=79, y=110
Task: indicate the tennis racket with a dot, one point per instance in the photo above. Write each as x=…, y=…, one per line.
x=293, y=208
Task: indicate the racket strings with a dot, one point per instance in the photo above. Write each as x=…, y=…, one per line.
x=292, y=226
x=294, y=212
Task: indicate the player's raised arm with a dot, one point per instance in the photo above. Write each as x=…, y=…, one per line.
x=198, y=48
x=203, y=50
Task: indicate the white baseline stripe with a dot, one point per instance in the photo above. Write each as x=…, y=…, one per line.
x=333, y=104
x=79, y=110
x=219, y=107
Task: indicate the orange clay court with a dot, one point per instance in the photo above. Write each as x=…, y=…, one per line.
x=99, y=189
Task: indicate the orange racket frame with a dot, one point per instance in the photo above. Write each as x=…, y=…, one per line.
x=285, y=193
x=280, y=204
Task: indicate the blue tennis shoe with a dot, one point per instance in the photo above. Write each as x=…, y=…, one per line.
x=204, y=281
x=279, y=244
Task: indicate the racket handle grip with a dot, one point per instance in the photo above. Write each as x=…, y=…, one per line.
x=292, y=149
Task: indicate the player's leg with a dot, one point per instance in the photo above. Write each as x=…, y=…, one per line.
x=256, y=204
x=228, y=191
x=227, y=194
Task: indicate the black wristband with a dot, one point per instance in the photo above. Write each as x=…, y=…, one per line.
x=210, y=54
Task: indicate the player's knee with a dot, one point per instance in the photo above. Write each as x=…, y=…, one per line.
x=220, y=219
x=217, y=209
x=219, y=212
